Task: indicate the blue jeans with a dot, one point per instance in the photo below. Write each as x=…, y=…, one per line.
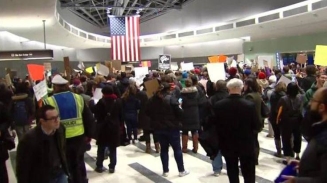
x=131, y=128
x=172, y=138
x=217, y=163
x=61, y=178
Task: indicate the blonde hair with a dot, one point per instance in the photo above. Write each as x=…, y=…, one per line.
x=99, y=79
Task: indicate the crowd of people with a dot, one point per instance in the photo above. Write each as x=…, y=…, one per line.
x=224, y=117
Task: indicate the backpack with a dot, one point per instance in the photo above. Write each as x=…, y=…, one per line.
x=20, y=113
x=265, y=97
x=108, y=118
x=295, y=113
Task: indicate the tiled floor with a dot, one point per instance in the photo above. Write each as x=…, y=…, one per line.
x=134, y=166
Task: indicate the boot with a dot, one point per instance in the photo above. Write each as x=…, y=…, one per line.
x=195, y=139
x=278, y=145
x=157, y=146
x=257, y=152
x=184, y=143
x=148, y=148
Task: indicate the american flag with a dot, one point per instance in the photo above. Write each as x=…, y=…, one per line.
x=125, y=38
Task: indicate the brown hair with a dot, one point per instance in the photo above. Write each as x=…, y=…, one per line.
x=280, y=87
x=131, y=90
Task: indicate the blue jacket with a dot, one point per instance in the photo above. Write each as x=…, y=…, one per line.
x=131, y=107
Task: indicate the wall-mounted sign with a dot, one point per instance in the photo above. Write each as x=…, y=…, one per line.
x=164, y=62
x=26, y=55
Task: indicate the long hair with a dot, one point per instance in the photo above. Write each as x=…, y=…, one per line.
x=252, y=84
x=131, y=91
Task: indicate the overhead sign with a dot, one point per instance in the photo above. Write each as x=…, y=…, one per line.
x=26, y=55
x=164, y=62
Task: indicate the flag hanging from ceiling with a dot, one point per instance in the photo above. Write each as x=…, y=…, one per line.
x=125, y=38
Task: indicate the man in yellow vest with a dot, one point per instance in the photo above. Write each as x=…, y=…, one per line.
x=78, y=121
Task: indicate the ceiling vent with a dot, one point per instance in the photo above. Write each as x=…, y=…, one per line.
x=318, y=5
x=204, y=31
x=91, y=37
x=245, y=23
x=74, y=31
x=269, y=18
x=184, y=34
x=170, y=36
x=82, y=34
x=224, y=27
x=296, y=11
x=67, y=27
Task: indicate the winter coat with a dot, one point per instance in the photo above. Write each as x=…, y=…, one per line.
x=274, y=99
x=219, y=95
x=131, y=105
x=5, y=123
x=164, y=112
x=29, y=105
x=313, y=164
x=309, y=94
x=33, y=150
x=143, y=119
x=190, y=106
x=307, y=82
x=236, y=122
x=108, y=132
x=123, y=84
x=257, y=100
x=263, y=83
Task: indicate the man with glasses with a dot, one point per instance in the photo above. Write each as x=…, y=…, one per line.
x=41, y=152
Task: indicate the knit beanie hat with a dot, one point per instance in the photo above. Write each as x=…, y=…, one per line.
x=232, y=71
x=247, y=72
x=261, y=75
x=184, y=75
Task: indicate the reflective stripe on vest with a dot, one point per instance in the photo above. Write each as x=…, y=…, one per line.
x=70, y=107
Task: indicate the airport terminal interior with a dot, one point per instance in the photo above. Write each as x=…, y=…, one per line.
x=86, y=44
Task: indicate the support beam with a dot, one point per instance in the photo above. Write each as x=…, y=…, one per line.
x=73, y=3
x=92, y=17
x=98, y=14
x=133, y=4
x=177, y=7
x=83, y=17
x=121, y=11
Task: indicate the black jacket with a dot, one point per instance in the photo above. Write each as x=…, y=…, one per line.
x=122, y=85
x=164, y=112
x=5, y=123
x=313, y=164
x=307, y=82
x=274, y=99
x=33, y=162
x=108, y=132
x=190, y=106
x=236, y=123
x=143, y=119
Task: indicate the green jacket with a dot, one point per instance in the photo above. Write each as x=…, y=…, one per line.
x=309, y=94
x=256, y=98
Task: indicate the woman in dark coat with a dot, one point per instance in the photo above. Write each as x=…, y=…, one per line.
x=131, y=105
x=252, y=92
x=108, y=112
x=145, y=123
x=191, y=118
x=279, y=92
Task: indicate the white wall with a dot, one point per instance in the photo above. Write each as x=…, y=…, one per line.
x=233, y=46
x=199, y=13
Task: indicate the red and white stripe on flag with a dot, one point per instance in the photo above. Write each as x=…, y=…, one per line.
x=127, y=47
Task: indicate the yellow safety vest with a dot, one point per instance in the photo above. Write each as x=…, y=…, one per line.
x=70, y=107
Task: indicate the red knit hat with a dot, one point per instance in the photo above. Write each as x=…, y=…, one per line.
x=197, y=71
x=261, y=75
x=232, y=71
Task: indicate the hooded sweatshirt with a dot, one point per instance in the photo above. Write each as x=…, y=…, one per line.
x=309, y=94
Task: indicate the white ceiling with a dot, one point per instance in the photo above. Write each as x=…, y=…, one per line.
x=24, y=18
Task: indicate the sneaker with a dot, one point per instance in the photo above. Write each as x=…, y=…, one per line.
x=165, y=174
x=182, y=174
x=216, y=174
x=99, y=169
x=111, y=170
